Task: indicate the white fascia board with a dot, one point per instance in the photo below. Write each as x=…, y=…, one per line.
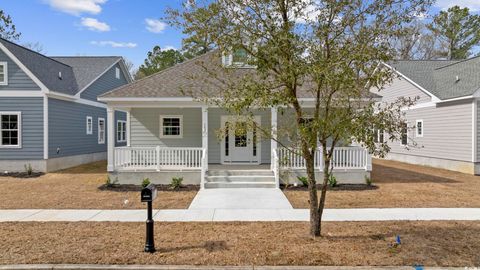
x=434, y=98
x=125, y=71
x=57, y=95
x=94, y=80
x=145, y=99
x=22, y=93
x=455, y=99
x=24, y=68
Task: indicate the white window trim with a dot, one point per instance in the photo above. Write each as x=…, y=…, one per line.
x=19, y=145
x=102, y=141
x=171, y=136
x=5, y=71
x=89, y=132
x=117, y=73
x=377, y=134
x=125, y=130
x=416, y=129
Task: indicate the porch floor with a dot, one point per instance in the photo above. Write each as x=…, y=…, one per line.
x=240, y=198
x=238, y=167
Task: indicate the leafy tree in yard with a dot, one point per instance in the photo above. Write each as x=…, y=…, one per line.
x=7, y=28
x=458, y=30
x=158, y=60
x=329, y=50
x=416, y=41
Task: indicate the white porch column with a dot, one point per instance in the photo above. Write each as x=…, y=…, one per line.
x=110, y=139
x=204, y=145
x=128, y=126
x=273, y=142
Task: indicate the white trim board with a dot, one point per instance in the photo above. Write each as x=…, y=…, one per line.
x=19, y=130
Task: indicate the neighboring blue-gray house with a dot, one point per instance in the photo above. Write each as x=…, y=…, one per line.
x=49, y=114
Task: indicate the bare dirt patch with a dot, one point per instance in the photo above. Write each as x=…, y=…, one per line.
x=81, y=187
x=403, y=185
x=268, y=243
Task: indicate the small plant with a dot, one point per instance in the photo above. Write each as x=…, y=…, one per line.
x=304, y=180
x=145, y=182
x=368, y=180
x=28, y=169
x=332, y=181
x=176, y=183
x=110, y=183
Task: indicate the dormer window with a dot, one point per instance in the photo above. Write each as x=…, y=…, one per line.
x=237, y=58
x=3, y=73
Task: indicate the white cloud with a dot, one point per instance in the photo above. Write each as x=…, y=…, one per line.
x=473, y=5
x=95, y=25
x=155, y=26
x=77, y=7
x=168, y=47
x=114, y=44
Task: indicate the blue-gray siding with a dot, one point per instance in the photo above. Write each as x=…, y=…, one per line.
x=32, y=128
x=105, y=83
x=17, y=79
x=68, y=131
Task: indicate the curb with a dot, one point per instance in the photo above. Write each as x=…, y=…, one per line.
x=194, y=267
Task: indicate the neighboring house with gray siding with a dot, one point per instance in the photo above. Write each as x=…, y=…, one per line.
x=49, y=114
x=442, y=127
x=172, y=133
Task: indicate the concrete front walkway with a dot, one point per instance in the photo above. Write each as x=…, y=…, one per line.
x=240, y=198
x=200, y=215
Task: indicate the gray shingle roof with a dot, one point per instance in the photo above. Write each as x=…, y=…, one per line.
x=77, y=72
x=439, y=76
x=87, y=68
x=198, y=77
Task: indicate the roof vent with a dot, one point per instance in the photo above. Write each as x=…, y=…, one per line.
x=457, y=78
x=60, y=75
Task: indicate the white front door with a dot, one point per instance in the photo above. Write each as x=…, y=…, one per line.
x=240, y=143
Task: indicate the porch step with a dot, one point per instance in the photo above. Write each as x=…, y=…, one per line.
x=240, y=179
x=240, y=172
x=240, y=185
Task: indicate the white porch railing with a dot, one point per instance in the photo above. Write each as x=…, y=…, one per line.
x=159, y=158
x=343, y=158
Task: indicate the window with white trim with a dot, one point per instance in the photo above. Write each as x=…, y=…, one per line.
x=121, y=131
x=419, y=128
x=378, y=136
x=89, y=125
x=117, y=73
x=10, y=129
x=101, y=130
x=171, y=126
x=404, y=134
x=3, y=73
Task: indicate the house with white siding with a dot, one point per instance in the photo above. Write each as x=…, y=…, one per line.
x=50, y=118
x=442, y=127
x=171, y=132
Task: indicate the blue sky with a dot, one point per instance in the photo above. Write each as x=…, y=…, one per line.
x=129, y=28
x=94, y=27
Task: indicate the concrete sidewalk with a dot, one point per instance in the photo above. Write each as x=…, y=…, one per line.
x=216, y=215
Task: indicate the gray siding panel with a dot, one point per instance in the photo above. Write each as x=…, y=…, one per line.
x=67, y=128
x=105, y=83
x=32, y=128
x=17, y=79
x=447, y=132
x=145, y=127
x=401, y=87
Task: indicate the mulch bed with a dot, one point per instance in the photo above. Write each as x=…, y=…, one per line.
x=429, y=243
x=338, y=187
x=123, y=188
x=21, y=174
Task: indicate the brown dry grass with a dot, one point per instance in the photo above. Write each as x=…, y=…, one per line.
x=404, y=185
x=280, y=243
x=78, y=187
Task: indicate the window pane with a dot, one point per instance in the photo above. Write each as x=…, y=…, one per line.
x=2, y=77
x=2, y=69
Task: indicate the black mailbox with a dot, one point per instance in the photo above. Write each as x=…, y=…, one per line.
x=149, y=193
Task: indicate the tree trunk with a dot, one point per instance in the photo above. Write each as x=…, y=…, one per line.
x=312, y=189
x=323, y=193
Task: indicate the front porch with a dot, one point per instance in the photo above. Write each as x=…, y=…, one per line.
x=167, y=141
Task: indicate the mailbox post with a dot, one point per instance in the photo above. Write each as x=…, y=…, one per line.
x=148, y=194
